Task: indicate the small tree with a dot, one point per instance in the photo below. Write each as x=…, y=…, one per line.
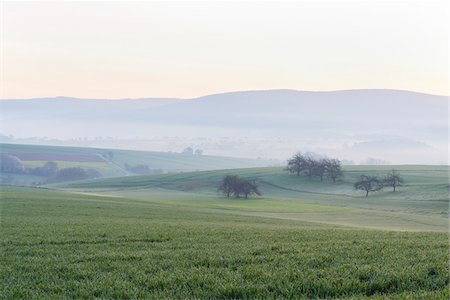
x=393, y=180
x=319, y=168
x=296, y=164
x=368, y=184
x=11, y=164
x=311, y=167
x=227, y=185
x=333, y=169
x=246, y=188
x=50, y=168
x=188, y=151
x=233, y=185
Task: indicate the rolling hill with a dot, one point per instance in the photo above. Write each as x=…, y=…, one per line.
x=330, y=122
x=115, y=165
x=422, y=204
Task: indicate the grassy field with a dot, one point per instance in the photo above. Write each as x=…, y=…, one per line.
x=103, y=167
x=155, y=160
x=61, y=245
x=92, y=158
x=421, y=205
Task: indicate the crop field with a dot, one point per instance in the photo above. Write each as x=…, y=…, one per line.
x=112, y=163
x=421, y=205
x=57, y=244
x=103, y=167
x=155, y=160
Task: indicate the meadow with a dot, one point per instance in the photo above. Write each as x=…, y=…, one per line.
x=114, y=165
x=421, y=205
x=58, y=244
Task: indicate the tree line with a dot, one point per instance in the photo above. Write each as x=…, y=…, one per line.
x=312, y=167
x=50, y=170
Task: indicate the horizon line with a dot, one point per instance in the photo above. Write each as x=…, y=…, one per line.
x=229, y=92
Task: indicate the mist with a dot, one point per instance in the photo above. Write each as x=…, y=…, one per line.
x=359, y=126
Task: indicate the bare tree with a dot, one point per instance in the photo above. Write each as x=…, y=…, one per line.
x=319, y=168
x=297, y=164
x=227, y=185
x=311, y=167
x=233, y=185
x=333, y=169
x=393, y=179
x=368, y=184
x=246, y=188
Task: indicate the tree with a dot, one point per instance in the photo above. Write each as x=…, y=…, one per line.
x=368, y=184
x=198, y=152
x=297, y=164
x=246, y=188
x=49, y=169
x=228, y=184
x=76, y=173
x=11, y=164
x=393, y=179
x=333, y=169
x=188, y=151
x=310, y=166
x=319, y=168
x=236, y=186
x=314, y=165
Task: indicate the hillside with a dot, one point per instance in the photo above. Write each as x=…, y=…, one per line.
x=112, y=162
x=422, y=204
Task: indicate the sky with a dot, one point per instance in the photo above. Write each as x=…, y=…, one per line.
x=190, y=49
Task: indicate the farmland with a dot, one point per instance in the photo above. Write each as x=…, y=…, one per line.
x=112, y=163
x=173, y=236
x=422, y=204
x=57, y=244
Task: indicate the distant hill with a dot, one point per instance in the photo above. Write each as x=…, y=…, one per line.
x=350, y=116
x=113, y=162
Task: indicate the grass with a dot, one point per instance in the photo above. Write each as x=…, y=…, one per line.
x=169, y=162
x=103, y=167
x=62, y=245
x=421, y=205
x=155, y=160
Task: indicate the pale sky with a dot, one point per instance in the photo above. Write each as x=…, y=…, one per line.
x=190, y=49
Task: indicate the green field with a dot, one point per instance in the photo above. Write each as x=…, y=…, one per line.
x=172, y=236
x=114, y=167
x=62, y=245
x=421, y=205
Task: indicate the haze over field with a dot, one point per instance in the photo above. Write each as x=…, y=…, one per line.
x=395, y=126
x=224, y=150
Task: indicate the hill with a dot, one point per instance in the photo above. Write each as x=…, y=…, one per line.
x=112, y=162
x=422, y=204
x=405, y=122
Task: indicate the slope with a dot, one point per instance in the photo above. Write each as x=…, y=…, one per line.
x=422, y=204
